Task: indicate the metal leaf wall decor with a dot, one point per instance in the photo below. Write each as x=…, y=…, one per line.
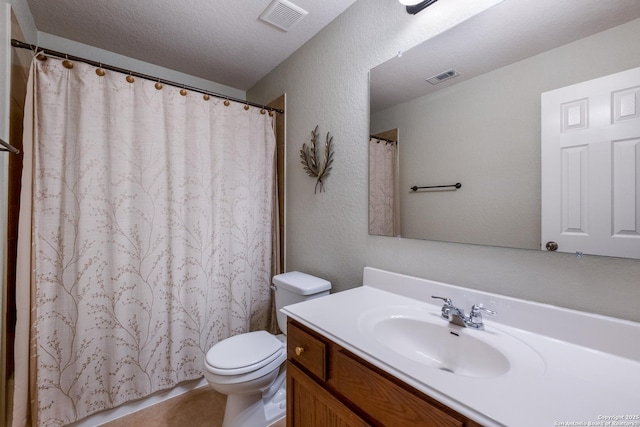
x=316, y=159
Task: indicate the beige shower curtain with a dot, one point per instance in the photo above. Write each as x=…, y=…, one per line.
x=145, y=237
x=384, y=205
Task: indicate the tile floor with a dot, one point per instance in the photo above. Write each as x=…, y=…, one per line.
x=202, y=407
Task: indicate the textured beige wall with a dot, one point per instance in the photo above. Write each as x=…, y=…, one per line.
x=326, y=82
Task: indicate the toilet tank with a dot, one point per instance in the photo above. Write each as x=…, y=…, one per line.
x=293, y=287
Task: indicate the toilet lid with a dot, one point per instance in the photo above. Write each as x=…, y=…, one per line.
x=244, y=352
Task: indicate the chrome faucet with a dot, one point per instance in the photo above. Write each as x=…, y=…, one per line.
x=456, y=315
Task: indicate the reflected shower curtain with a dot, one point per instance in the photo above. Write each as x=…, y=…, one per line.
x=383, y=197
x=148, y=239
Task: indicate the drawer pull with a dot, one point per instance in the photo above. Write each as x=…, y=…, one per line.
x=299, y=351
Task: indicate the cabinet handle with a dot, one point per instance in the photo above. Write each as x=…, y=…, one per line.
x=299, y=351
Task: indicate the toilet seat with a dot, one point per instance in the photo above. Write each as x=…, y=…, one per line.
x=244, y=353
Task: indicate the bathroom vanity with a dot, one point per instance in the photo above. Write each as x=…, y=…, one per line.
x=383, y=355
x=330, y=386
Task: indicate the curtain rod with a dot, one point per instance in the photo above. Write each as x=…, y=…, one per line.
x=384, y=139
x=8, y=147
x=23, y=45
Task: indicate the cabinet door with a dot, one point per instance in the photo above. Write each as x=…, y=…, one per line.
x=309, y=405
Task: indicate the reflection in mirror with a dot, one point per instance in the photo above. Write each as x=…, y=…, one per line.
x=482, y=127
x=384, y=204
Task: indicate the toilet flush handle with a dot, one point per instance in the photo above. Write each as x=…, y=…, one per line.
x=299, y=351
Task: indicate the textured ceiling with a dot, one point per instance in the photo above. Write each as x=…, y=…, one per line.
x=218, y=40
x=508, y=32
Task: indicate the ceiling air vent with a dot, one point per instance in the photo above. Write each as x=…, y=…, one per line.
x=439, y=78
x=283, y=14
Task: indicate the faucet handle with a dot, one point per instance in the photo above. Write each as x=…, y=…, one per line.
x=446, y=308
x=475, y=317
x=447, y=301
x=477, y=308
x=476, y=313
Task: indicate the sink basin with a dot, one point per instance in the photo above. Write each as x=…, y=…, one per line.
x=422, y=336
x=441, y=347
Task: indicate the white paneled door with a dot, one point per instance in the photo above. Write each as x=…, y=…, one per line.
x=591, y=166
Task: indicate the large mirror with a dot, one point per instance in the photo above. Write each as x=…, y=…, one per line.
x=481, y=127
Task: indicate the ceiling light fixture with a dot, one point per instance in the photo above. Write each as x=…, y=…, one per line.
x=414, y=6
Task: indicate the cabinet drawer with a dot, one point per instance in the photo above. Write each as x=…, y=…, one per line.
x=382, y=399
x=307, y=350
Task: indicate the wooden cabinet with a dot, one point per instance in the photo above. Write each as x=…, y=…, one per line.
x=310, y=405
x=328, y=386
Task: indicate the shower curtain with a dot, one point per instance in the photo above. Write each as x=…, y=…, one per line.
x=383, y=194
x=145, y=237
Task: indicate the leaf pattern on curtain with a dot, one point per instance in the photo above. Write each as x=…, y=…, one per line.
x=152, y=235
x=382, y=188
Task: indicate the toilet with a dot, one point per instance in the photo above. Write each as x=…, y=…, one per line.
x=250, y=368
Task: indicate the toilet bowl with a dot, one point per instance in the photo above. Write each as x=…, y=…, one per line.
x=250, y=368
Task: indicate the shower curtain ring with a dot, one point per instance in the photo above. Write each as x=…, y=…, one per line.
x=40, y=56
x=66, y=63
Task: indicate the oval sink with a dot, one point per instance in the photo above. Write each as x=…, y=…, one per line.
x=424, y=337
x=441, y=347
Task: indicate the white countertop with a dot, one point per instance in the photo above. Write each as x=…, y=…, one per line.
x=588, y=369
